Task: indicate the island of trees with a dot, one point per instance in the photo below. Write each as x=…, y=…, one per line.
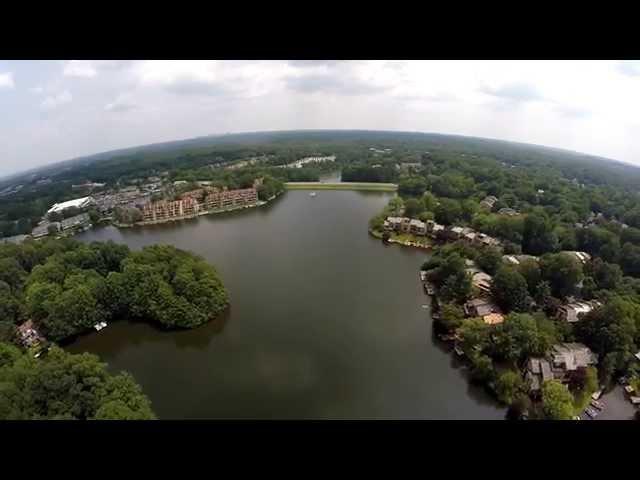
x=64, y=288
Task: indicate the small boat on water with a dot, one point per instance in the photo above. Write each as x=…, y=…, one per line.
x=99, y=326
x=312, y=194
x=458, y=351
x=597, y=404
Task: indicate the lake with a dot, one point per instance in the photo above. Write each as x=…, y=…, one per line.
x=325, y=322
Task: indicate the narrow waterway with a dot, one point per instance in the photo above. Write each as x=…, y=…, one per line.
x=325, y=322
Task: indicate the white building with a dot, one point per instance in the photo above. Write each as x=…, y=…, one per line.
x=81, y=203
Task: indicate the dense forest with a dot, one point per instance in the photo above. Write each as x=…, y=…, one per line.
x=560, y=201
x=63, y=386
x=66, y=287
x=205, y=158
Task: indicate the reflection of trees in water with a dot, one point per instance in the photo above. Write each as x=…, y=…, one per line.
x=475, y=391
x=123, y=334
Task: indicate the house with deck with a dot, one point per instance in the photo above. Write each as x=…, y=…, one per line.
x=558, y=364
x=573, y=312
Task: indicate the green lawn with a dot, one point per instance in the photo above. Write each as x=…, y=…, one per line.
x=385, y=187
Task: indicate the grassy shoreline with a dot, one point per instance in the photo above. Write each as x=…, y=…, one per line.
x=383, y=187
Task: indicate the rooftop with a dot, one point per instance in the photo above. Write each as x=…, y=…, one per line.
x=78, y=203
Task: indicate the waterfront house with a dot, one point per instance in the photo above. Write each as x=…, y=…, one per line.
x=558, y=364
x=417, y=227
x=572, y=312
x=480, y=307
x=42, y=230
x=76, y=221
x=456, y=232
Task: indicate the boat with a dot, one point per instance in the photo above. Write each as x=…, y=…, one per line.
x=458, y=351
x=312, y=194
x=597, y=404
x=99, y=326
x=597, y=395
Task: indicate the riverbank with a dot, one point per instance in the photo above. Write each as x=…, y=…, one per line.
x=259, y=203
x=402, y=240
x=378, y=187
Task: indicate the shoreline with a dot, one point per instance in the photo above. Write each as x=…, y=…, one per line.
x=378, y=187
x=391, y=241
x=259, y=203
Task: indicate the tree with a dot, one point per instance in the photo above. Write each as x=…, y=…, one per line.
x=557, y=401
x=520, y=407
x=530, y=270
x=489, y=260
x=451, y=316
x=509, y=385
x=538, y=235
x=448, y=212
x=413, y=208
x=606, y=275
x=509, y=289
x=563, y=273
x=481, y=368
x=430, y=202
x=60, y=385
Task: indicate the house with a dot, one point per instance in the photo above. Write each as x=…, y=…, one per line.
x=488, y=202
x=482, y=281
x=76, y=221
x=80, y=203
x=42, y=230
x=508, y=211
x=572, y=312
x=392, y=223
x=29, y=335
x=562, y=359
x=480, y=307
x=518, y=259
x=417, y=227
x=582, y=257
x=485, y=240
x=437, y=228
x=456, y=232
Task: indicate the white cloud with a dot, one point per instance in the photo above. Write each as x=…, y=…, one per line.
x=120, y=104
x=587, y=106
x=80, y=68
x=6, y=80
x=54, y=101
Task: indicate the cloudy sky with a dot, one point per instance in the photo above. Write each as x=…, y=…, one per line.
x=56, y=110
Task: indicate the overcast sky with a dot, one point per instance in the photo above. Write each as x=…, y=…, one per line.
x=57, y=110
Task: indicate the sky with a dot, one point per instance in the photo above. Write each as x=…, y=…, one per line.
x=58, y=110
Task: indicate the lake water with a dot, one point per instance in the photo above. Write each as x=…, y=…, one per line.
x=325, y=322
